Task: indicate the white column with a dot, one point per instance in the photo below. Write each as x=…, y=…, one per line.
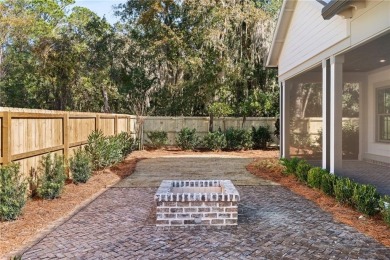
x=285, y=120
x=325, y=129
x=336, y=92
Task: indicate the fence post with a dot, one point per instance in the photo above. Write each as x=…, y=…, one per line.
x=116, y=125
x=6, y=137
x=65, y=132
x=97, y=122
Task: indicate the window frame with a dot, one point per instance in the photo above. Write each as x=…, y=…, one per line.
x=377, y=114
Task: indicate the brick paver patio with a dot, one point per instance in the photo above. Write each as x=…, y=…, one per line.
x=274, y=223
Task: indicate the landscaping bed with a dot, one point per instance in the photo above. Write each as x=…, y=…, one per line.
x=41, y=215
x=374, y=226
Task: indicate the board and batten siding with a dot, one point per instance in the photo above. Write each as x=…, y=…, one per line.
x=309, y=34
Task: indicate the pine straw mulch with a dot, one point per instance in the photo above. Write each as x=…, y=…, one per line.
x=374, y=227
x=40, y=216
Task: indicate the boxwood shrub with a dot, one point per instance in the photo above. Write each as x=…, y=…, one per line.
x=343, y=190
x=314, y=177
x=384, y=204
x=302, y=170
x=366, y=199
x=327, y=183
x=290, y=165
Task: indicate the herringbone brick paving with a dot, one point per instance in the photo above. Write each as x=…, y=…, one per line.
x=274, y=223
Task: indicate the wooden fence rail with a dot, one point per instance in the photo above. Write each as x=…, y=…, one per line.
x=28, y=134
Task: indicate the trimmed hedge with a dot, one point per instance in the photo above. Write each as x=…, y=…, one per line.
x=314, y=177
x=366, y=199
x=363, y=197
x=302, y=170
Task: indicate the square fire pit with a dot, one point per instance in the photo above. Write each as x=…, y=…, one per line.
x=196, y=202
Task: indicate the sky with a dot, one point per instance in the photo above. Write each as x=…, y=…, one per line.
x=101, y=7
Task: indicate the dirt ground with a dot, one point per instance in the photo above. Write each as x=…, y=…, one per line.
x=371, y=226
x=40, y=216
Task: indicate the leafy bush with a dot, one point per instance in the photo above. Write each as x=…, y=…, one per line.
x=158, y=139
x=290, y=165
x=365, y=198
x=238, y=139
x=106, y=151
x=343, y=190
x=52, y=176
x=80, y=166
x=128, y=143
x=113, y=153
x=303, y=169
x=314, y=177
x=384, y=204
x=96, y=148
x=327, y=183
x=187, y=139
x=260, y=137
x=215, y=141
x=12, y=192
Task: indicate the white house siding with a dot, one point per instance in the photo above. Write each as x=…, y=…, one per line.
x=375, y=150
x=370, y=21
x=309, y=35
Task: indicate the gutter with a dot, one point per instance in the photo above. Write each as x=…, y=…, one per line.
x=340, y=7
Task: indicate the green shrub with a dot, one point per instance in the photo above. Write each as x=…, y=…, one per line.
x=96, y=148
x=365, y=198
x=12, y=192
x=215, y=141
x=290, y=165
x=238, y=139
x=128, y=143
x=384, y=204
x=106, y=151
x=343, y=190
x=314, y=177
x=303, y=169
x=113, y=153
x=260, y=137
x=80, y=166
x=327, y=183
x=187, y=139
x=52, y=177
x=158, y=139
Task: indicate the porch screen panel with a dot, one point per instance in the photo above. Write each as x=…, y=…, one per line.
x=306, y=117
x=350, y=126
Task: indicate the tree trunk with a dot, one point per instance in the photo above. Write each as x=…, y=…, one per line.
x=106, y=106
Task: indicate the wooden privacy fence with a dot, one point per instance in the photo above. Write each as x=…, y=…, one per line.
x=173, y=125
x=28, y=134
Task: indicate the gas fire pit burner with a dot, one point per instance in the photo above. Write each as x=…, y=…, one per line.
x=196, y=202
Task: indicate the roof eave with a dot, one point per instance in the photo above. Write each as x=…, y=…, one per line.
x=282, y=25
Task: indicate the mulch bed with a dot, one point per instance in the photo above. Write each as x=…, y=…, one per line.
x=40, y=214
x=371, y=226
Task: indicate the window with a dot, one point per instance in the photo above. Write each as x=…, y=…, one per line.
x=383, y=114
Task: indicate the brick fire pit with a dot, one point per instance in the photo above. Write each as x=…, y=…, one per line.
x=196, y=202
